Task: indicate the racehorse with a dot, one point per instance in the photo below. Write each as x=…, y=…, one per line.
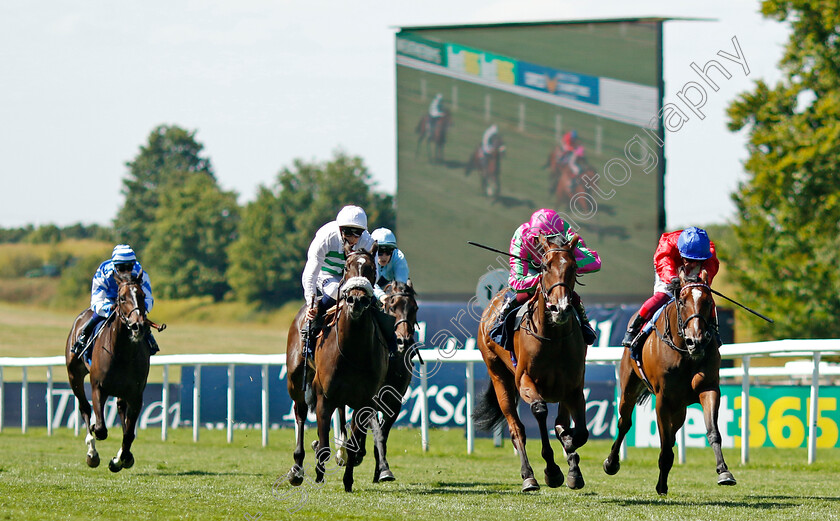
x=567, y=184
x=433, y=136
x=350, y=362
x=119, y=366
x=679, y=370
x=400, y=302
x=490, y=166
x=551, y=355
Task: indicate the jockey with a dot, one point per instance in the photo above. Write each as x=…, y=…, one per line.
x=390, y=261
x=524, y=276
x=573, y=150
x=104, y=290
x=690, y=249
x=435, y=112
x=325, y=263
x=488, y=141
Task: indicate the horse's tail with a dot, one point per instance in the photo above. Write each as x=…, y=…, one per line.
x=488, y=414
x=643, y=397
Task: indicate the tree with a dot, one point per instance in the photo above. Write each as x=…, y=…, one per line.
x=167, y=161
x=788, y=209
x=187, y=250
x=277, y=227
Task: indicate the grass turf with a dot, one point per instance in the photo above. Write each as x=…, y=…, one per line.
x=46, y=478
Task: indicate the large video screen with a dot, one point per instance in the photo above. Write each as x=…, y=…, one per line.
x=537, y=86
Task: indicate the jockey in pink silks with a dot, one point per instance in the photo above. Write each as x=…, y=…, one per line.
x=526, y=258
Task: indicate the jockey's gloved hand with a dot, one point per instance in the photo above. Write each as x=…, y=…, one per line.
x=674, y=286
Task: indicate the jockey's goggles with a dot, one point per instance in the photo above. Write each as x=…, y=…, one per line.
x=351, y=232
x=385, y=250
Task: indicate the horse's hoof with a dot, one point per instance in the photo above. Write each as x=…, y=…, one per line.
x=663, y=491
x=296, y=476
x=92, y=461
x=554, y=480
x=128, y=462
x=575, y=481
x=386, y=475
x=530, y=485
x=726, y=478
x=114, y=465
x=341, y=456
x=611, y=469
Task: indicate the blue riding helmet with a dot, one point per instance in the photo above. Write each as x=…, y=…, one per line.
x=694, y=244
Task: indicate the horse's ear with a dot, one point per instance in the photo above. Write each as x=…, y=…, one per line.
x=573, y=244
x=374, y=249
x=347, y=249
x=543, y=242
x=682, y=274
x=409, y=285
x=140, y=275
x=704, y=276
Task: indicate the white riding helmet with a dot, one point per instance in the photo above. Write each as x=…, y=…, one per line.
x=384, y=237
x=352, y=216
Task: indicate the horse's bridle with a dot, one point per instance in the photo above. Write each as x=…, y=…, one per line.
x=547, y=292
x=124, y=318
x=681, y=324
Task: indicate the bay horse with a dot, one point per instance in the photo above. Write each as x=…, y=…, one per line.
x=400, y=302
x=119, y=366
x=433, y=136
x=489, y=166
x=568, y=184
x=551, y=361
x=350, y=360
x=681, y=362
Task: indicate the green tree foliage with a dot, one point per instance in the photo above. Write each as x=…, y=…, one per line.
x=789, y=206
x=278, y=226
x=187, y=251
x=166, y=162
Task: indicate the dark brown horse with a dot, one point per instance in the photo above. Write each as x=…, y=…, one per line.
x=119, y=367
x=551, y=356
x=433, y=135
x=350, y=363
x=681, y=361
x=489, y=166
x=400, y=302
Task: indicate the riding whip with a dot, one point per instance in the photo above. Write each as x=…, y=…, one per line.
x=756, y=313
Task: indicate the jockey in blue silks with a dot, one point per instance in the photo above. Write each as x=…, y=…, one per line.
x=104, y=292
x=391, y=264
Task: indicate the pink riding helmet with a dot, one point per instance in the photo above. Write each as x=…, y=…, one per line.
x=545, y=221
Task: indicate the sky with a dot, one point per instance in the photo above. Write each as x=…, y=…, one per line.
x=265, y=82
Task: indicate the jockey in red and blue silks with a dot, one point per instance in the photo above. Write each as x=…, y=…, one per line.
x=526, y=258
x=689, y=248
x=573, y=150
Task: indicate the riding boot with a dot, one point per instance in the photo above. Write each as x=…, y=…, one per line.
x=84, y=334
x=315, y=326
x=633, y=331
x=586, y=328
x=153, y=345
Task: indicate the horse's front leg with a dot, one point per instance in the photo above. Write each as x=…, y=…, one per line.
x=129, y=412
x=355, y=445
x=631, y=388
x=99, y=398
x=528, y=392
x=323, y=452
x=341, y=438
x=669, y=419
x=76, y=375
x=710, y=401
x=296, y=473
x=572, y=438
